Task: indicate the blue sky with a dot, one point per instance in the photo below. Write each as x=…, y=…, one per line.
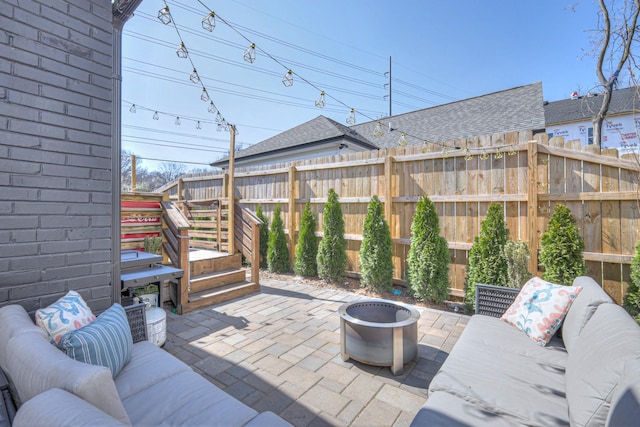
x=441, y=51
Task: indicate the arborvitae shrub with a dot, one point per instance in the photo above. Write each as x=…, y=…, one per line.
x=487, y=262
x=428, y=259
x=376, y=251
x=632, y=298
x=517, y=256
x=561, y=248
x=307, y=249
x=332, y=250
x=264, y=236
x=277, y=252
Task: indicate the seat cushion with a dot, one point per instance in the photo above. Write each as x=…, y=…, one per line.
x=595, y=364
x=446, y=410
x=193, y=401
x=625, y=404
x=585, y=304
x=493, y=365
x=15, y=321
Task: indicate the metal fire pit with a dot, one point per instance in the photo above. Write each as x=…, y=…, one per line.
x=379, y=332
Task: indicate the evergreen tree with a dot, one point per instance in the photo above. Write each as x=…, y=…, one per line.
x=307, y=249
x=376, y=251
x=332, y=250
x=517, y=256
x=487, y=261
x=632, y=298
x=428, y=259
x=561, y=248
x=277, y=252
x=264, y=236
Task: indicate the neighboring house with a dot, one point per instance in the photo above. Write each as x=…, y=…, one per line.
x=316, y=138
x=516, y=109
x=571, y=119
x=60, y=150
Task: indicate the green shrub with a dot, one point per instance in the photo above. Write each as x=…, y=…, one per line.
x=277, y=252
x=632, y=298
x=376, y=251
x=264, y=236
x=428, y=259
x=561, y=248
x=307, y=249
x=332, y=250
x=487, y=262
x=153, y=245
x=517, y=256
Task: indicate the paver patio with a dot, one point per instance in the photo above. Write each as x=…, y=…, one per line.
x=279, y=350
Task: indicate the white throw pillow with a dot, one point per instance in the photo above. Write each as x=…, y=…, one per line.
x=67, y=314
x=539, y=308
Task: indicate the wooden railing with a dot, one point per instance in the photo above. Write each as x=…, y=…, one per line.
x=209, y=220
x=175, y=228
x=247, y=238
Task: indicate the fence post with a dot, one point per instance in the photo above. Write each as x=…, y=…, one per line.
x=532, y=203
x=292, y=214
x=183, y=255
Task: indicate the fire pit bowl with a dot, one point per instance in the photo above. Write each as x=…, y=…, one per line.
x=379, y=332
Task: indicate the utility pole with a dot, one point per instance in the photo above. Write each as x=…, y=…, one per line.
x=134, y=182
x=388, y=85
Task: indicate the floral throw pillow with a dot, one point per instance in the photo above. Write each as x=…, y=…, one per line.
x=67, y=314
x=539, y=308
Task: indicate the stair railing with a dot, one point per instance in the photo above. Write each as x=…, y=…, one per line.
x=247, y=238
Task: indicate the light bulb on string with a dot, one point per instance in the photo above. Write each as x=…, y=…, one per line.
x=204, y=95
x=484, y=155
x=250, y=54
x=218, y=118
x=178, y=122
x=156, y=116
x=164, y=15
x=181, y=51
x=351, y=118
x=499, y=154
x=425, y=146
x=512, y=151
x=133, y=108
x=222, y=125
x=402, y=141
x=194, y=77
x=468, y=156
x=198, y=125
x=212, y=108
x=445, y=152
x=209, y=21
x=377, y=131
x=287, y=80
x=320, y=102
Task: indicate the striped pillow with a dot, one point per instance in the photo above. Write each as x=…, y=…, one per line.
x=106, y=341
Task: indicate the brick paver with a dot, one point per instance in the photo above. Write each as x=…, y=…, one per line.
x=279, y=350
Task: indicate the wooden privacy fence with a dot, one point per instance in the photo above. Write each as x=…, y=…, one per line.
x=527, y=175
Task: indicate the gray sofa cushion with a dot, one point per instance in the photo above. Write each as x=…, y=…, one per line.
x=585, y=304
x=595, y=364
x=446, y=410
x=15, y=320
x=494, y=365
x=194, y=401
x=625, y=404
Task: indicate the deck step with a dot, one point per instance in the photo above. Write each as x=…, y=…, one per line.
x=211, y=265
x=219, y=295
x=217, y=279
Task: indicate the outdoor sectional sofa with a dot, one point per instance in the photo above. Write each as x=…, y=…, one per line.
x=154, y=388
x=497, y=375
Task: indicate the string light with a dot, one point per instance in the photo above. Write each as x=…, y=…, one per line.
x=194, y=77
x=209, y=22
x=182, y=51
x=484, y=155
x=377, y=131
x=468, y=156
x=198, y=125
x=212, y=108
x=250, y=54
x=164, y=15
x=178, y=122
x=204, y=95
x=351, y=118
x=287, y=80
x=133, y=108
x=320, y=103
x=445, y=152
x=402, y=141
x=512, y=151
x=218, y=118
x=156, y=116
x=425, y=146
x=499, y=154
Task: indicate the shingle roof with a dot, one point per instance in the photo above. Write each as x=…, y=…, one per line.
x=317, y=131
x=515, y=109
x=573, y=110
